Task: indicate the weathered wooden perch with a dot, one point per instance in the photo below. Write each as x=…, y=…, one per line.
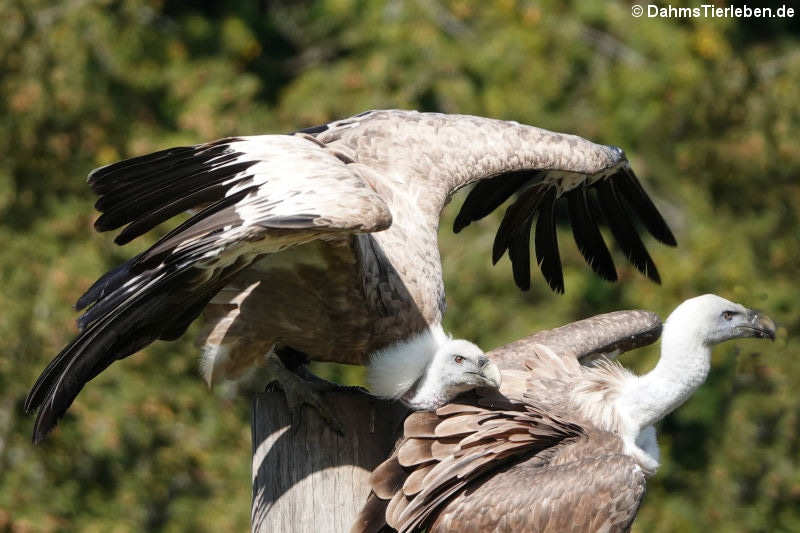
x=308, y=478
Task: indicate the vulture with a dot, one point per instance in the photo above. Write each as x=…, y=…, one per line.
x=323, y=242
x=562, y=446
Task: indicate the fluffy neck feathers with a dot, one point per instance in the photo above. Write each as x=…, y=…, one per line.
x=396, y=369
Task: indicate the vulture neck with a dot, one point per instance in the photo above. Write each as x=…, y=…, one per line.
x=683, y=367
x=428, y=393
x=401, y=369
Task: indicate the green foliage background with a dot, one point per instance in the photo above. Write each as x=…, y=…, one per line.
x=707, y=110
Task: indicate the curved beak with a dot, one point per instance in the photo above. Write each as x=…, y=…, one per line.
x=491, y=374
x=758, y=325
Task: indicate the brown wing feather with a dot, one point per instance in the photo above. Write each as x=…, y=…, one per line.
x=585, y=339
x=590, y=493
x=464, y=441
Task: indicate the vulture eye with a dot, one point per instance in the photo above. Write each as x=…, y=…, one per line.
x=459, y=359
x=727, y=315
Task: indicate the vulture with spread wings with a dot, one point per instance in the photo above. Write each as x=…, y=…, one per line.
x=325, y=242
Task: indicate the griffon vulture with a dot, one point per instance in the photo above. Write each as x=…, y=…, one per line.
x=566, y=447
x=325, y=242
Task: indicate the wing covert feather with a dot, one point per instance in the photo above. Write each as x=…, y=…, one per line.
x=605, y=334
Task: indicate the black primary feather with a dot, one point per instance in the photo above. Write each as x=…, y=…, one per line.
x=165, y=190
x=488, y=194
x=158, y=304
x=116, y=336
x=106, y=284
x=519, y=251
x=148, y=221
x=103, y=292
x=103, y=178
x=624, y=233
x=638, y=199
x=87, y=339
x=313, y=130
x=516, y=216
x=189, y=192
x=587, y=235
x=211, y=218
x=117, y=188
x=546, y=241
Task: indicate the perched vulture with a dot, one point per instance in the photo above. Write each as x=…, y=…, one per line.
x=563, y=446
x=325, y=242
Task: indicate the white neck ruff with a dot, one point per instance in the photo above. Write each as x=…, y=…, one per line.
x=394, y=370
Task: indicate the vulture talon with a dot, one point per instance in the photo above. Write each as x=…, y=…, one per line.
x=302, y=388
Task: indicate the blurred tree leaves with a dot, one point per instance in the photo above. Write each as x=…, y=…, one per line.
x=707, y=110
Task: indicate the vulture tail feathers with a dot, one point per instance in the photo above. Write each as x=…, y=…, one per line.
x=623, y=231
x=547, y=243
x=587, y=235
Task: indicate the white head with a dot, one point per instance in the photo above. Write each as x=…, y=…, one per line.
x=711, y=319
x=425, y=380
x=460, y=365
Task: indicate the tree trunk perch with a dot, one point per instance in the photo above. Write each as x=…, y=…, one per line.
x=308, y=478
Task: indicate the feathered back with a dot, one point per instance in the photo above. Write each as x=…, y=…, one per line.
x=582, y=392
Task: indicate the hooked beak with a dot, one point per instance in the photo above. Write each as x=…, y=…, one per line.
x=758, y=325
x=491, y=374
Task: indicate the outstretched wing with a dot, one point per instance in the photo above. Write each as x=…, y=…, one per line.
x=255, y=195
x=540, y=168
x=602, y=335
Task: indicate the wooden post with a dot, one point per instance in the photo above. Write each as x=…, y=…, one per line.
x=308, y=478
